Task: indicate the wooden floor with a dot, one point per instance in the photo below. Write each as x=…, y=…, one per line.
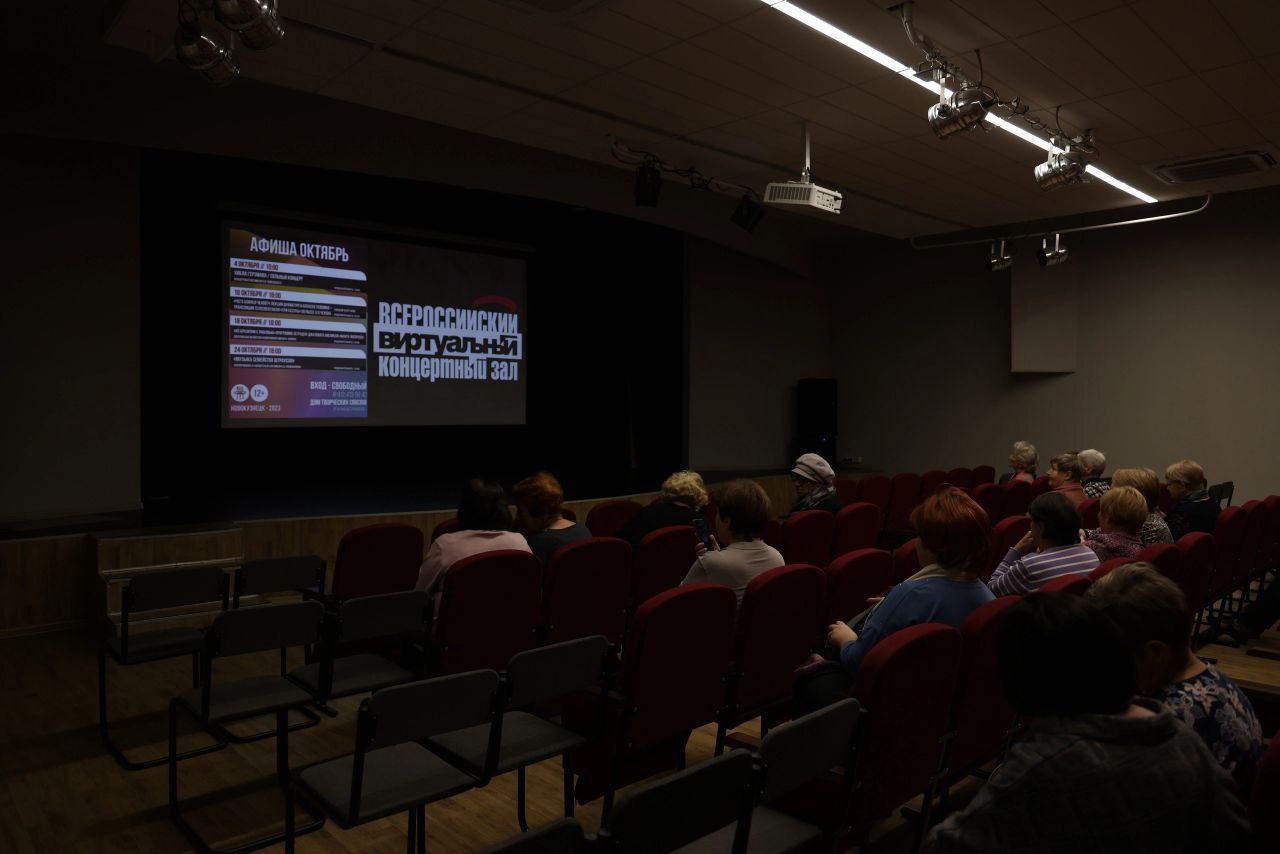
x=59, y=791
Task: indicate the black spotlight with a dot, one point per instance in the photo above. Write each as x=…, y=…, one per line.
x=648, y=185
x=1051, y=257
x=999, y=258
x=747, y=214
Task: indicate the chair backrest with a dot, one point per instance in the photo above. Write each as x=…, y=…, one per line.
x=961, y=477
x=489, y=608
x=280, y=574
x=405, y=615
x=1072, y=582
x=607, y=518
x=983, y=474
x=586, y=589
x=1005, y=534
x=1089, y=509
x=279, y=626
x=678, y=810
x=676, y=657
x=1018, y=495
x=807, y=537
x=905, y=686
x=1104, y=568
x=1228, y=539
x=1040, y=486
x=448, y=526
x=981, y=719
x=1223, y=492
x=418, y=710
x=662, y=561
x=1264, y=804
x=904, y=495
x=772, y=534
x=990, y=497
x=846, y=490
x=562, y=836
x=852, y=579
x=174, y=588
x=800, y=750
x=930, y=482
x=1250, y=543
x=377, y=559
x=550, y=672
x=1197, y=560
x=1165, y=557
x=777, y=621
x=857, y=527
x=1271, y=542
x=875, y=489
x=906, y=562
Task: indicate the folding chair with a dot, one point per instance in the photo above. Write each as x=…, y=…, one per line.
x=548, y=673
x=390, y=771
x=238, y=632
x=152, y=592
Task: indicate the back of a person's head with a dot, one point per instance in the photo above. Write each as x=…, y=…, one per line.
x=1094, y=460
x=1124, y=508
x=539, y=495
x=483, y=507
x=744, y=506
x=1023, y=457
x=687, y=488
x=1189, y=473
x=1069, y=463
x=1060, y=654
x=1142, y=479
x=1058, y=516
x=954, y=528
x=1145, y=605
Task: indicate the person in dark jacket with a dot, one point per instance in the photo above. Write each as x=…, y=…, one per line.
x=683, y=497
x=814, y=480
x=1193, y=509
x=539, y=499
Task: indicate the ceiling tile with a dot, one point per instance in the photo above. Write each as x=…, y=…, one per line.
x=602, y=21
x=797, y=40
x=1254, y=22
x=1084, y=8
x=630, y=97
x=1233, y=134
x=675, y=79
x=1107, y=126
x=1126, y=40
x=399, y=11
x=1066, y=53
x=1010, y=19
x=541, y=30
x=669, y=16
x=1195, y=30
x=694, y=60
x=1141, y=150
x=546, y=76
x=1144, y=111
x=1247, y=87
x=738, y=46
x=1191, y=98
x=724, y=10
x=897, y=116
x=1187, y=142
x=312, y=52
x=1015, y=72
x=825, y=114
x=340, y=17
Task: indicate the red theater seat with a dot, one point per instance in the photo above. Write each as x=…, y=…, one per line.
x=1018, y=495
x=489, y=608
x=377, y=559
x=875, y=489
x=961, y=477
x=448, y=526
x=983, y=474
x=981, y=718
x=1228, y=539
x=807, y=537
x=852, y=579
x=1166, y=558
x=1005, y=534
x=846, y=490
x=906, y=562
x=1040, y=486
x=1106, y=566
x=586, y=590
x=857, y=527
x=1250, y=557
x=930, y=482
x=1076, y=582
x=904, y=495
x=607, y=518
x=662, y=561
x=1089, y=510
x=772, y=533
x=990, y=497
x=1197, y=559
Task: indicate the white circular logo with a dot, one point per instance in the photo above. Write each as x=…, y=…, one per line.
x=239, y=392
x=259, y=393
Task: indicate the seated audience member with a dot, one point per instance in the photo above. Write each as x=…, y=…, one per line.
x=814, y=481
x=1193, y=509
x=683, y=497
x=1051, y=548
x=1151, y=613
x=484, y=525
x=1120, y=515
x=1023, y=460
x=952, y=547
x=1154, y=530
x=538, y=501
x=1094, y=770
x=1092, y=464
x=742, y=511
x=1064, y=477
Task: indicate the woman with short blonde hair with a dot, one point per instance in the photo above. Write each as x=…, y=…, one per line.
x=682, y=498
x=1154, y=530
x=687, y=488
x=1023, y=460
x=1192, y=509
x=1121, y=513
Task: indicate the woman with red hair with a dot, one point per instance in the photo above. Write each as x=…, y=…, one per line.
x=953, y=544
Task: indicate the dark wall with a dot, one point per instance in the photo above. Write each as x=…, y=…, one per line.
x=604, y=354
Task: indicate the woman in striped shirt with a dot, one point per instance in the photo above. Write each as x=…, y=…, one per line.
x=1050, y=549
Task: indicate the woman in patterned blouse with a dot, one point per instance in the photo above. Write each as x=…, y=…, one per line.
x=1152, y=613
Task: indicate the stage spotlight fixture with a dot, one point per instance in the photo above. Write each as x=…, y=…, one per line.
x=256, y=22
x=648, y=185
x=1064, y=166
x=206, y=51
x=999, y=258
x=748, y=214
x=1051, y=257
x=966, y=109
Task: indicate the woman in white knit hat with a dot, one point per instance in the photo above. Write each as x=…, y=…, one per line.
x=814, y=480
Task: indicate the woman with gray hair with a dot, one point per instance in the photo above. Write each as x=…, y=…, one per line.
x=1093, y=463
x=1023, y=461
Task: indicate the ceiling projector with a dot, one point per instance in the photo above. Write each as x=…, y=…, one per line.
x=804, y=192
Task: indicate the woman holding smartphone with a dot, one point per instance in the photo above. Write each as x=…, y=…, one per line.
x=743, y=511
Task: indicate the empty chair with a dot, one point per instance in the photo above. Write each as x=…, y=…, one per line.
x=961, y=477
x=1005, y=534
x=377, y=559
x=983, y=474
x=1197, y=558
x=303, y=574
x=1165, y=557
x=990, y=498
x=875, y=489
x=931, y=481
x=586, y=589
x=215, y=705
x=543, y=675
x=448, y=526
x=489, y=609
x=563, y=836
x=807, y=537
x=662, y=561
x=777, y=620
x=852, y=579
x=1076, y=582
x=981, y=719
x=1089, y=510
x=671, y=683
x=904, y=495
x=906, y=562
x=857, y=527
x=390, y=771
x=1018, y=495
x=1106, y=567
x=846, y=490
x=152, y=592
x=607, y=518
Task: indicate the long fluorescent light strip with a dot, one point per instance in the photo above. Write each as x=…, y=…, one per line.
x=855, y=44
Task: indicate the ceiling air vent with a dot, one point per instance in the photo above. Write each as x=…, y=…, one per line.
x=1213, y=167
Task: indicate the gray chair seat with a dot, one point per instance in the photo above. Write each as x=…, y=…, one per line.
x=526, y=739
x=395, y=779
x=354, y=674
x=158, y=644
x=772, y=832
x=247, y=698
